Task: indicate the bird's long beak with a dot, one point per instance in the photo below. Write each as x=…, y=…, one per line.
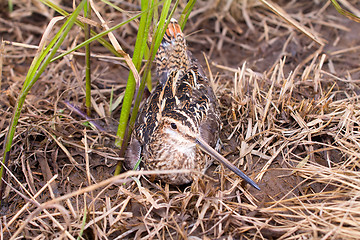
x=209, y=150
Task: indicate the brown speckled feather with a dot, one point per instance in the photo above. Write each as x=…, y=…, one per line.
x=182, y=98
x=180, y=120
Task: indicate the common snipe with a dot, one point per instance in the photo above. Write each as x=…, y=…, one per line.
x=179, y=124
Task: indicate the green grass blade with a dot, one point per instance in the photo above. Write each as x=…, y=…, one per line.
x=111, y=100
x=344, y=12
x=140, y=45
x=113, y=6
x=158, y=36
x=161, y=25
x=98, y=37
x=36, y=70
x=10, y=5
x=83, y=223
x=55, y=7
x=87, y=28
x=41, y=56
x=80, y=24
x=185, y=13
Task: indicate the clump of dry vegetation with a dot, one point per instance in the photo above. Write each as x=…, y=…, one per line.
x=289, y=96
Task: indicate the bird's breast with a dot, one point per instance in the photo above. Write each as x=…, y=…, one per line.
x=170, y=156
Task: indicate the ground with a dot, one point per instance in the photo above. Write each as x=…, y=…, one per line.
x=289, y=108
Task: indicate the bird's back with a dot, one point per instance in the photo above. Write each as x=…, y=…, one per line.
x=183, y=94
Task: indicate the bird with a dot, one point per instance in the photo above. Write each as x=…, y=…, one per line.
x=178, y=125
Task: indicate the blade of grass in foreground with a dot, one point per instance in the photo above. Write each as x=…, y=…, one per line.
x=131, y=88
x=158, y=36
x=39, y=64
x=139, y=50
x=87, y=28
x=159, y=31
x=344, y=12
x=93, y=33
x=186, y=13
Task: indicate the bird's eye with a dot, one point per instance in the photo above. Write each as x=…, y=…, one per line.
x=173, y=126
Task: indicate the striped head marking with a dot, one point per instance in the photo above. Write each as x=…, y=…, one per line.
x=173, y=31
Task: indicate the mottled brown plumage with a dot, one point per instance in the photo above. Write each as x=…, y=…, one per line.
x=172, y=54
x=180, y=119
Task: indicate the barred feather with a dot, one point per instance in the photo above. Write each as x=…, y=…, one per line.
x=182, y=106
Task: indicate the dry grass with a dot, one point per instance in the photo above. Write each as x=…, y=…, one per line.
x=290, y=109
